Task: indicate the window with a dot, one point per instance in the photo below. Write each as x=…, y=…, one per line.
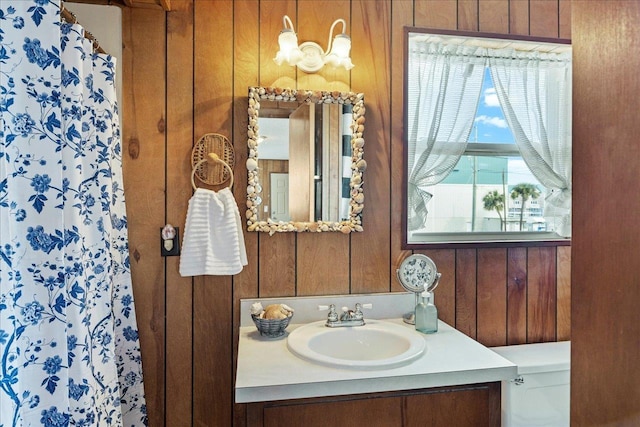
x=476, y=195
x=468, y=173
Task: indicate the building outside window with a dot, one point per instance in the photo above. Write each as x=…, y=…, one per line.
x=491, y=164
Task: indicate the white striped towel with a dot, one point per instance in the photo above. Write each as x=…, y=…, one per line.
x=213, y=243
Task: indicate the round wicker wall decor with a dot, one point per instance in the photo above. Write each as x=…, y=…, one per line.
x=212, y=173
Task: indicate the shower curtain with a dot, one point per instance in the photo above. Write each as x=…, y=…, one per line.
x=69, y=347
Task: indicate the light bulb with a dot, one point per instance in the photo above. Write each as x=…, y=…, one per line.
x=289, y=51
x=339, y=55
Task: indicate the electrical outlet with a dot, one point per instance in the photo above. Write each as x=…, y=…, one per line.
x=171, y=246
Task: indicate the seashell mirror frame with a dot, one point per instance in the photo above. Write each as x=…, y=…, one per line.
x=358, y=164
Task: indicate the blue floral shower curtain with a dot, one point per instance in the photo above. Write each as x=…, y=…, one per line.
x=69, y=348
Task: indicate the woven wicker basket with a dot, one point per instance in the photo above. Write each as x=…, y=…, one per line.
x=213, y=173
x=272, y=328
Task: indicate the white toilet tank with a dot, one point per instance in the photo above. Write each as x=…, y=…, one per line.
x=539, y=396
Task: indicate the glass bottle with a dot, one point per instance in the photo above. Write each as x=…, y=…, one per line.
x=421, y=314
x=432, y=315
x=426, y=314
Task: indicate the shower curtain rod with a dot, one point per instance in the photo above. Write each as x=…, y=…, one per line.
x=70, y=17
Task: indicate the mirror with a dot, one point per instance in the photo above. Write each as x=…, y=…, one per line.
x=487, y=155
x=306, y=160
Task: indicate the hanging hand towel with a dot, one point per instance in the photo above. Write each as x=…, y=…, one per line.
x=213, y=243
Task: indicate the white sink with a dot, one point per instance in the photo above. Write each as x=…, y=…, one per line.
x=376, y=345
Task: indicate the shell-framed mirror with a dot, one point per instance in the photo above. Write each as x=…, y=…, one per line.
x=306, y=160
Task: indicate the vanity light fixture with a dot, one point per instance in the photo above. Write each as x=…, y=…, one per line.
x=309, y=56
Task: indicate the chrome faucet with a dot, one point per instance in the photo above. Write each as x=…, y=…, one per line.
x=347, y=318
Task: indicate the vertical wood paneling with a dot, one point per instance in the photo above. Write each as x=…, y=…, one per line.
x=605, y=317
x=270, y=25
x=541, y=294
x=436, y=14
x=564, y=10
x=492, y=296
x=516, y=296
x=179, y=290
x=543, y=18
x=370, y=32
x=445, y=293
x=493, y=16
x=245, y=73
x=401, y=16
x=466, y=298
x=213, y=100
x=519, y=17
x=314, y=22
x=277, y=253
x=277, y=265
x=315, y=277
x=563, y=311
x=468, y=15
x=144, y=150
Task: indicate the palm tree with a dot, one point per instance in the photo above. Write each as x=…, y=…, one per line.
x=495, y=201
x=524, y=191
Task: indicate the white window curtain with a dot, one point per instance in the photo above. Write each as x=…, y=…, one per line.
x=444, y=83
x=534, y=90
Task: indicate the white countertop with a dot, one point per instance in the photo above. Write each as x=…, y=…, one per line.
x=268, y=371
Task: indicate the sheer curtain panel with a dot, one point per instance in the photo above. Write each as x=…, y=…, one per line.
x=443, y=89
x=534, y=90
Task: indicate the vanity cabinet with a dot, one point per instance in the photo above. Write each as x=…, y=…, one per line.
x=470, y=405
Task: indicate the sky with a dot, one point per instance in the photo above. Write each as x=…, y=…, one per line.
x=491, y=127
x=490, y=124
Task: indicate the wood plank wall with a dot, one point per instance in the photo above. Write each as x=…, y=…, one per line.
x=606, y=321
x=186, y=73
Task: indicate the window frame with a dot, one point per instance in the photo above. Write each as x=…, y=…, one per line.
x=469, y=239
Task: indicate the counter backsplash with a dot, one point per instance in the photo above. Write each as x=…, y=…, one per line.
x=385, y=305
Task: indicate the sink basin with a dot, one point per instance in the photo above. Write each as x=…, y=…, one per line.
x=376, y=345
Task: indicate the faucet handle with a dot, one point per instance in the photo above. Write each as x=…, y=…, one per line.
x=332, y=316
x=359, y=307
x=358, y=315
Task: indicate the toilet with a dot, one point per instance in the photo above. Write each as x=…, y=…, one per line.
x=539, y=395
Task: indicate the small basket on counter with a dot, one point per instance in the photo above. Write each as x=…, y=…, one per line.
x=271, y=328
x=271, y=320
